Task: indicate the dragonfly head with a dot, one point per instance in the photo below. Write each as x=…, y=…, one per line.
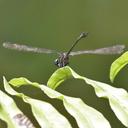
x=56, y=62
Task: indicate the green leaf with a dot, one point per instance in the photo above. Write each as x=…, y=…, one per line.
x=118, y=97
x=47, y=116
x=21, y=81
x=85, y=116
x=55, y=80
x=11, y=114
x=117, y=65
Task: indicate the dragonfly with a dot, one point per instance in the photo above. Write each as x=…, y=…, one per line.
x=63, y=58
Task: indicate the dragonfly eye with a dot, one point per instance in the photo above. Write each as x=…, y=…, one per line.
x=56, y=62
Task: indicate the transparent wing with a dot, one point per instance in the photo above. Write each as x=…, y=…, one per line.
x=26, y=48
x=116, y=49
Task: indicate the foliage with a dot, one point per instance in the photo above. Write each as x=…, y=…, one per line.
x=117, y=65
x=48, y=117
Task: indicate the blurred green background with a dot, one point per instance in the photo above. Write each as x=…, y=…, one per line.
x=55, y=24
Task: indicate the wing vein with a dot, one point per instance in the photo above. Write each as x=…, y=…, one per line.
x=116, y=49
x=25, y=48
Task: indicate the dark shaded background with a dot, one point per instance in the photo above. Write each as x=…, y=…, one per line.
x=55, y=24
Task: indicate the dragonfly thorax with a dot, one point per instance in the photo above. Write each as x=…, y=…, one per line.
x=62, y=60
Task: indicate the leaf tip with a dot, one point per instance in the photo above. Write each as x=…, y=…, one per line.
x=112, y=79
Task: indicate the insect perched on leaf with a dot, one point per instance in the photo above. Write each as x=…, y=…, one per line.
x=63, y=58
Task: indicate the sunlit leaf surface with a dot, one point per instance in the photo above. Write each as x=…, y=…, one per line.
x=118, y=97
x=117, y=65
x=47, y=116
x=85, y=116
x=11, y=114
